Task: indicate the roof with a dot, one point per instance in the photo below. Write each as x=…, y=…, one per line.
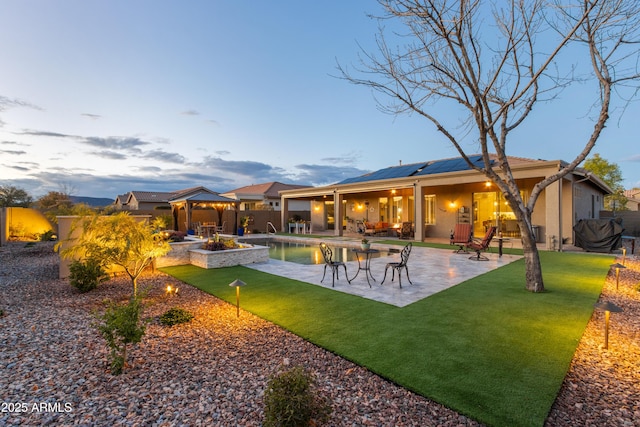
x=150, y=196
x=204, y=197
x=164, y=196
x=268, y=190
x=417, y=169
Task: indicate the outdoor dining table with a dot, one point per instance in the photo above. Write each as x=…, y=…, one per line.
x=207, y=228
x=367, y=263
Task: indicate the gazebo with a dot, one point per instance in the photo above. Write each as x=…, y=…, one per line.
x=203, y=199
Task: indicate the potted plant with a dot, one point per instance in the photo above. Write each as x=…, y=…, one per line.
x=365, y=245
x=244, y=221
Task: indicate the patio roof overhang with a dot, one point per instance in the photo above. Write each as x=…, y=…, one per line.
x=521, y=170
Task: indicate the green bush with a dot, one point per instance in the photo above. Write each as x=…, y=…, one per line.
x=87, y=275
x=291, y=399
x=175, y=316
x=121, y=325
x=46, y=236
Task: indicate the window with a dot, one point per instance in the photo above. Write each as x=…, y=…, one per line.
x=383, y=203
x=430, y=209
x=396, y=209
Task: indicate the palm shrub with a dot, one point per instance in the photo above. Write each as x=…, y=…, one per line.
x=291, y=399
x=121, y=325
x=86, y=275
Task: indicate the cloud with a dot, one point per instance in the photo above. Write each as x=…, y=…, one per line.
x=47, y=133
x=190, y=113
x=21, y=144
x=108, y=154
x=14, y=152
x=164, y=156
x=7, y=103
x=114, y=142
x=634, y=158
x=318, y=175
x=18, y=168
x=91, y=116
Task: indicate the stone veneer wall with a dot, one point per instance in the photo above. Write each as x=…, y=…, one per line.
x=229, y=257
x=179, y=254
x=190, y=252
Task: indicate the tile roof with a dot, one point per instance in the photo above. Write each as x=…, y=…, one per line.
x=268, y=189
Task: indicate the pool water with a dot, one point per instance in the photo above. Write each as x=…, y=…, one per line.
x=305, y=254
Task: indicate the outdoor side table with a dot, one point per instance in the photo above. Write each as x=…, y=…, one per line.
x=367, y=263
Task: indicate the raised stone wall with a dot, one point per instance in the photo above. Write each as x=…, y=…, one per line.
x=229, y=257
x=179, y=254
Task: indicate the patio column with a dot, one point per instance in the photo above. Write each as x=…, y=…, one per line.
x=284, y=213
x=419, y=213
x=338, y=214
x=553, y=212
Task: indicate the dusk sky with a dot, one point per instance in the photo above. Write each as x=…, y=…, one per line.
x=105, y=97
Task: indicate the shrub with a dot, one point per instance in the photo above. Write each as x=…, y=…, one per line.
x=120, y=325
x=291, y=399
x=46, y=236
x=215, y=246
x=86, y=276
x=175, y=316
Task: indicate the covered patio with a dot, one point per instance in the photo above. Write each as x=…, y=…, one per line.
x=182, y=208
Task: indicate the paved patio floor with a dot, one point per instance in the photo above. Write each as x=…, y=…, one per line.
x=431, y=271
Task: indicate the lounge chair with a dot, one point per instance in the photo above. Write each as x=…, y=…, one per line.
x=482, y=245
x=461, y=236
x=406, y=230
x=398, y=266
x=327, y=254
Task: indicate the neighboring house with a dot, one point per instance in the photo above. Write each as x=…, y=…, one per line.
x=633, y=199
x=148, y=200
x=120, y=204
x=435, y=195
x=266, y=197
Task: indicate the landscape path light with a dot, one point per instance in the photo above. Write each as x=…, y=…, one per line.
x=237, y=284
x=617, y=266
x=608, y=308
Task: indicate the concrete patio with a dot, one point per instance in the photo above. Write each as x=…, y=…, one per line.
x=430, y=270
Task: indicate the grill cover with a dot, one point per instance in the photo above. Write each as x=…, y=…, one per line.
x=599, y=235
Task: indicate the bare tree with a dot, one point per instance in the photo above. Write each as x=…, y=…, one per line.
x=495, y=61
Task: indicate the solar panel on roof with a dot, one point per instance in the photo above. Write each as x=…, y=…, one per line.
x=449, y=165
x=416, y=169
x=386, y=173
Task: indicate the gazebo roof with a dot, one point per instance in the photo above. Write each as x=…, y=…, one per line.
x=204, y=197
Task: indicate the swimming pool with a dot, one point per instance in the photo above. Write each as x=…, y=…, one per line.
x=302, y=253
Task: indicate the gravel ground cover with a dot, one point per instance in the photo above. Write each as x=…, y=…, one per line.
x=213, y=370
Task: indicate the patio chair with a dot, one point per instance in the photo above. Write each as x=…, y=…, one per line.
x=406, y=230
x=220, y=228
x=461, y=236
x=327, y=254
x=482, y=245
x=398, y=266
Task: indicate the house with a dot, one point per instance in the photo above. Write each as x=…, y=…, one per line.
x=120, y=203
x=633, y=199
x=435, y=195
x=143, y=200
x=266, y=197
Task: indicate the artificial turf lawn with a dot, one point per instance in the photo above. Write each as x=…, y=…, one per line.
x=486, y=348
